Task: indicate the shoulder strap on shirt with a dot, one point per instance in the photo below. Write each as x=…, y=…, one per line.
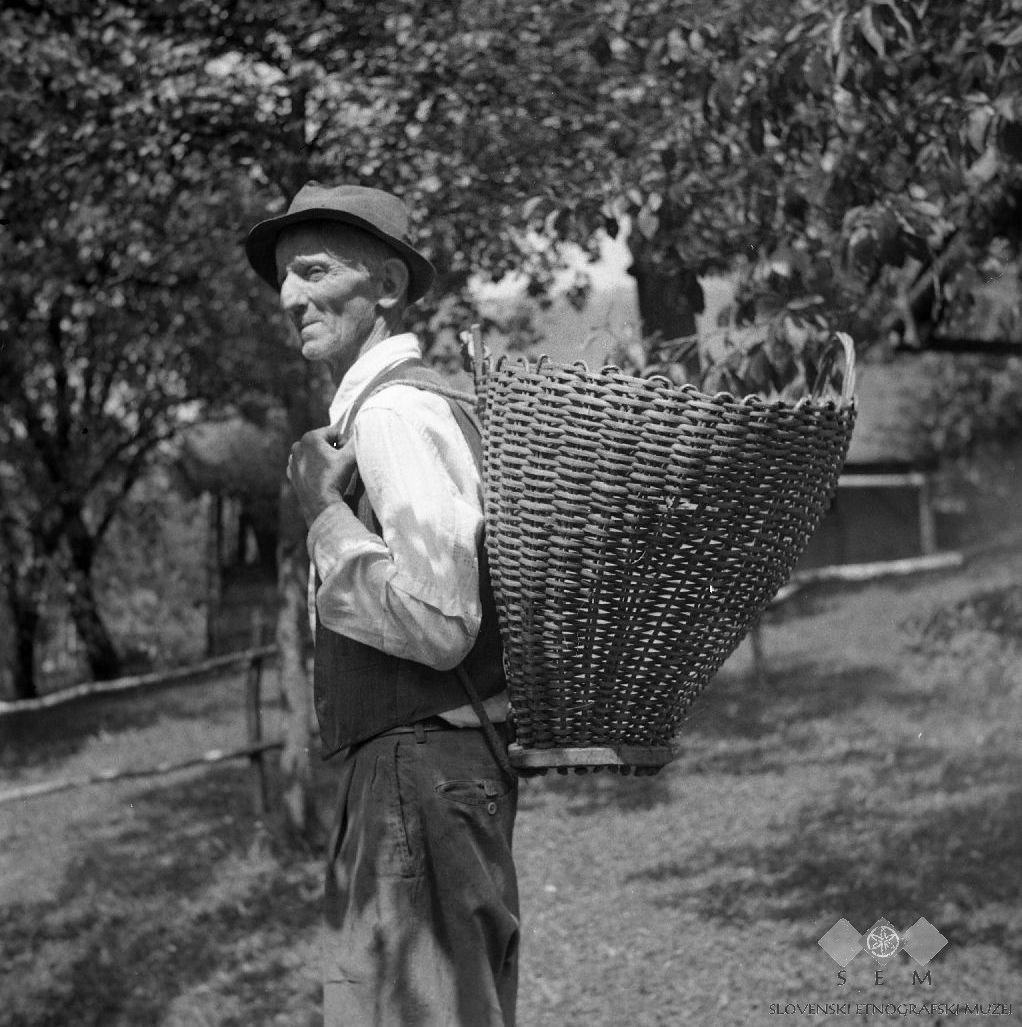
x=420, y=375
x=375, y=384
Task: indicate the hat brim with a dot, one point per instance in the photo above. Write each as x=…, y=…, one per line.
x=261, y=247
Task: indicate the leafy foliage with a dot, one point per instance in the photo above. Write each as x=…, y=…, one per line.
x=995, y=610
x=971, y=402
x=151, y=578
x=865, y=152
x=836, y=147
x=113, y=317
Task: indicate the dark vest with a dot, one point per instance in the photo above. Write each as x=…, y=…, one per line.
x=361, y=691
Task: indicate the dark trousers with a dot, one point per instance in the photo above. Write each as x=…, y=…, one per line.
x=421, y=891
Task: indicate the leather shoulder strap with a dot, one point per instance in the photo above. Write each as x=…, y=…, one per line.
x=385, y=377
x=421, y=376
x=462, y=404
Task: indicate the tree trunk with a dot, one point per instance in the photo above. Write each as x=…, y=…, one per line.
x=295, y=686
x=100, y=653
x=307, y=395
x=24, y=601
x=104, y=662
x=25, y=624
x=669, y=292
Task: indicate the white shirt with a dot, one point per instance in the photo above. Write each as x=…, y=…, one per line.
x=412, y=591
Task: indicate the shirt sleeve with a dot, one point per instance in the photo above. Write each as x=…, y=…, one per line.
x=413, y=590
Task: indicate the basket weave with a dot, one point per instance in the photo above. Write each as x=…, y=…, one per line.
x=635, y=531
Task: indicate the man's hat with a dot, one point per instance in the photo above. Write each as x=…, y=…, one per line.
x=372, y=210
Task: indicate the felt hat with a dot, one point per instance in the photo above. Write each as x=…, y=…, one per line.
x=380, y=213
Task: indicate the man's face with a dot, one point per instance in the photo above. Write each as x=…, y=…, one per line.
x=327, y=292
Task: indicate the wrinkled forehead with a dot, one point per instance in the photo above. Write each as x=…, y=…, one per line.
x=316, y=239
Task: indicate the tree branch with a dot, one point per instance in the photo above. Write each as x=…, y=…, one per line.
x=902, y=317
x=148, y=439
x=62, y=395
x=131, y=475
x=40, y=438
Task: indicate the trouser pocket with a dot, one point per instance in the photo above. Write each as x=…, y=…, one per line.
x=477, y=793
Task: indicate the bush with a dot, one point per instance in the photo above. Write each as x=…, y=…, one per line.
x=151, y=577
x=974, y=401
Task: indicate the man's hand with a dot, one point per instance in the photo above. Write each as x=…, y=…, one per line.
x=319, y=471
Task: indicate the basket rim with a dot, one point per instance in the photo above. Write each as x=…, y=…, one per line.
x=544, y=364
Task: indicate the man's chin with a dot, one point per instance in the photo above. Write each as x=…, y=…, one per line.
x=313, y=349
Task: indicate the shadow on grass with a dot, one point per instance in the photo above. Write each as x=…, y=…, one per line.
x=950, y=853
x=43, y=737
x=36, y=738
x=760, y=726
x=738, y=706
x=811, y=601
x=165, y=899
x=596, y=793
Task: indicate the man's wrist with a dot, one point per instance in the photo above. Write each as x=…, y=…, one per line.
x=332, y=518
x=313, y=507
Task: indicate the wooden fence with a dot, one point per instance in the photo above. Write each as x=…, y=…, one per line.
x=136, y=686
x=256, y=746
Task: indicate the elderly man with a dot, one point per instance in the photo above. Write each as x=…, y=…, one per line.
x=421, y=890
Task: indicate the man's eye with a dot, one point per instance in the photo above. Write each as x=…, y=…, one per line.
x=315, y=272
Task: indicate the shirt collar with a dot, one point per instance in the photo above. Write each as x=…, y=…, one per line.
x=379, y=358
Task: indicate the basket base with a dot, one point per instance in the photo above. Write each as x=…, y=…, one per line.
x=622, y=759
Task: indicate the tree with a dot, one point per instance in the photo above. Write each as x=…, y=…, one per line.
x=837, y=149
x=110, y=302
x=844, y=154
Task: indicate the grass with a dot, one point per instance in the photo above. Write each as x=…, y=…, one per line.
x=877, y=774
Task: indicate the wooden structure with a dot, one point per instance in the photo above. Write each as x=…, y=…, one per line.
x=884, y=508
x=138, y=686
x=237, y=467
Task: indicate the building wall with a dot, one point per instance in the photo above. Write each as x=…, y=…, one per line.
x=865, y=525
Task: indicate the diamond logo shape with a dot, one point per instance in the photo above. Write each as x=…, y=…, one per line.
x=922, y=941
x=841, y=943
x=881, y=941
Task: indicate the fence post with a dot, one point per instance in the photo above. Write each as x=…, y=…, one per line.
x=759, y=663
x=254, y=717
x=214, y=561
x=927, y=521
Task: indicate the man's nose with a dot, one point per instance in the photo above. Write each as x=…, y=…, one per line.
x=291, y=297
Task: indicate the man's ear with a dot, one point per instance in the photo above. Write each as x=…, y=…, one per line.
x=394, y=278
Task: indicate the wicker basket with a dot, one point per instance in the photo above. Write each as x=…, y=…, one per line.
x=635, y=532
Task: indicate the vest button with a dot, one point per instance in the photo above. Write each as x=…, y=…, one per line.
x=491, y=808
